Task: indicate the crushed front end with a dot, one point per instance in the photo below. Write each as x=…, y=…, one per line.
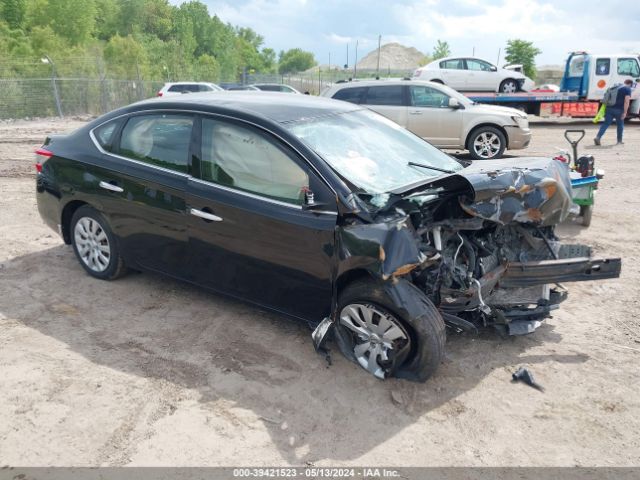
x=480, y=244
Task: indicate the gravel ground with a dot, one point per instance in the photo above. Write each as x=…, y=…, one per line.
x=150, y=371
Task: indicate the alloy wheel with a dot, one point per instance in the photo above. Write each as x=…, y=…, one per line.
x=487, y=145
x=92, y=244
x=376, y=334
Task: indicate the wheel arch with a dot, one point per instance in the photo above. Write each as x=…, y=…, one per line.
x=66, y=216
x=351, y=276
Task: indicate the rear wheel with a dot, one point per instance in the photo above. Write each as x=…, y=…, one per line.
x=95, y=245
x=485, y=143
x=372, y=333
x=509, y=86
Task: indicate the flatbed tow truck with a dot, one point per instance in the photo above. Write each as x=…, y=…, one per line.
x=586, y=78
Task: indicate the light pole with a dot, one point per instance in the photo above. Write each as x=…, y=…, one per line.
x=47, y=60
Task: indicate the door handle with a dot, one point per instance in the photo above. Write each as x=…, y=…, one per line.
x=207, y=216
x=111, y=186
x=415, y=112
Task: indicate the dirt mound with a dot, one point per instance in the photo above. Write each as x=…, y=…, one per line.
x=393, y=56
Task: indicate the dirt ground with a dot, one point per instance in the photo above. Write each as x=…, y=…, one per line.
x=149, y=371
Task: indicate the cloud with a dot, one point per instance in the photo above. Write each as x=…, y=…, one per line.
x=480, y=26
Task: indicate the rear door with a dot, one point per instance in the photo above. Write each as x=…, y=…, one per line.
x=431, y=118
x=249, y=235
x=454, y=73
x=388, y=100
x=142, y=185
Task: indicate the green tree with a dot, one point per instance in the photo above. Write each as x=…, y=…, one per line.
x=13, y=12
x=295, y=60
x=125, y=57
x=268, y=56
x=107, y=15
x=522, y=52
x=441, y=50
x=74, y=19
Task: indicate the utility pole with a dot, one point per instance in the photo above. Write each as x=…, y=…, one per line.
x=378, y=67
x=346, y=65
x=498, y=60
x=355, y=63
x=56, y=95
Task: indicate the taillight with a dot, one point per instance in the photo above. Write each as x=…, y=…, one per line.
x=42, y=155
x=160, y=93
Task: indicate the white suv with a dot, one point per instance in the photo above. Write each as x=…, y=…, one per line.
x=473, y=74
x=178, y=88
x=440, y=115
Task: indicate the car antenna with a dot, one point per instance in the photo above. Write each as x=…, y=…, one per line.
x=414, y=164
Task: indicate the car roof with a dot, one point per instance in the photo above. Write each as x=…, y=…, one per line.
x=271, y=105
x=376, y=83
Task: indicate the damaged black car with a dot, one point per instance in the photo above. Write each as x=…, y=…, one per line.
x=322, y=211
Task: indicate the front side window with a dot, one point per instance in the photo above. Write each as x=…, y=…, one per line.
x=455, y=64
x=478, y=65
x=428, y=97
x=245, y=159
x=385, y=95
x=161, y=140
x=603, y=66
x=628, y=66
x=351, y=95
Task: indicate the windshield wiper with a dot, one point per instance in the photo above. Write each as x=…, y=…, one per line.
x=414, y=164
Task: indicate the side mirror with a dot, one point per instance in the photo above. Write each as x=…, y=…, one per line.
x=454, y=103
x=493, y=68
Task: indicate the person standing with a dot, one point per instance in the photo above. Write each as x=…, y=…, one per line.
x=617, y=112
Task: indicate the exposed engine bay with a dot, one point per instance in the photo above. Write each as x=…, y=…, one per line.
x=481, y=244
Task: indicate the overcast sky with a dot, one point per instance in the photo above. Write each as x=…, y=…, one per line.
x=323, y=26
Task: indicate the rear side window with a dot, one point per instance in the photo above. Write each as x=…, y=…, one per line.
x=628, y=66
x=353, y=95
x=184, y=88
x=603, y=66
x=161, y=140
x=456, y=64
x=246, y=159
x=270, y=88
x=385, y=95
x=104, y=134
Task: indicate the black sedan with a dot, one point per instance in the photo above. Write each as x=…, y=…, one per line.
x=320, y=210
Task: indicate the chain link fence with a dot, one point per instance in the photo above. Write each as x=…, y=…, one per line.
x=42, y=97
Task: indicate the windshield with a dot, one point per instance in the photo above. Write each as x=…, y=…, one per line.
x=373, y=153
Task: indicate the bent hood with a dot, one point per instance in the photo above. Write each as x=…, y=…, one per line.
x=538, y=192
x=533, y=190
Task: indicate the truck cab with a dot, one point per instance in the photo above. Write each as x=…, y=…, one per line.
x=591, y=75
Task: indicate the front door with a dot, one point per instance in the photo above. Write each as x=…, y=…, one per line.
x=431, y=118
x=481, y=76
x=249, y=235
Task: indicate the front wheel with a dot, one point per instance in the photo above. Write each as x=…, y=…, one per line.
x=508, y=86
x=486, y=143
x=371, y=332
x=95, y=245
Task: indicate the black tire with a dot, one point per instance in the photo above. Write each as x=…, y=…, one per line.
x=111, y=269
x=422, y=355
x=479, y=152
x=586, y=211
x=508, y=85
x=437, y=80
